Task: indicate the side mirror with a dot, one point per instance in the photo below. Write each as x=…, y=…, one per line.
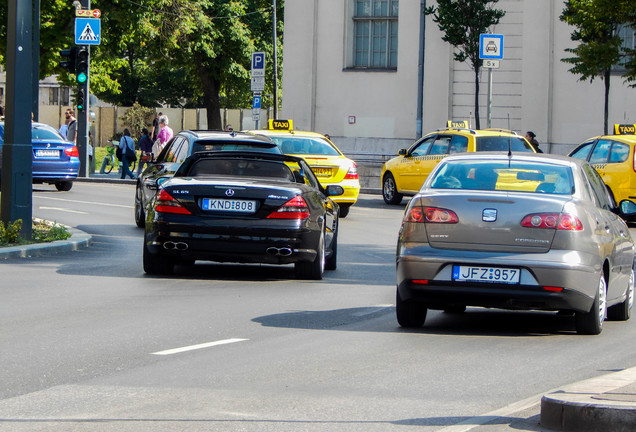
x=157, y=184
x=334, y=190
x=402, y=152
x=627, y=207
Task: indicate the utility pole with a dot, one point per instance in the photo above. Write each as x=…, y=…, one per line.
x=275, y=60
x=17, y=191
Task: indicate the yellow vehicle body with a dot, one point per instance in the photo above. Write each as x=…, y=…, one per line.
x=405, y=174
x=614, y=158
x=327, y=162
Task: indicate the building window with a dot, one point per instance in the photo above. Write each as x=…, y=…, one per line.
x=375, y=34
x=628, y=36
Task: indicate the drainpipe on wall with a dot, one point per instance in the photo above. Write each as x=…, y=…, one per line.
x=420, y=73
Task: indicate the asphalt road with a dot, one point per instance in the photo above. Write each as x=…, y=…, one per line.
x=89, y=343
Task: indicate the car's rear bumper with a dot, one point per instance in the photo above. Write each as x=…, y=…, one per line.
x=571, y=280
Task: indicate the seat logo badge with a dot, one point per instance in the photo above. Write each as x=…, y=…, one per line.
x=229, y=192
x=489, y=215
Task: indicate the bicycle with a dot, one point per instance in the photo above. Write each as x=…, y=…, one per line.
x=111, y=160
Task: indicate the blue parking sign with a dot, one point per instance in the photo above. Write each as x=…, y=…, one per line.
x=87, y=31
x=256, y=102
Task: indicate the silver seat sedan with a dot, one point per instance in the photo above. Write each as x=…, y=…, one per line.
x=516, y=231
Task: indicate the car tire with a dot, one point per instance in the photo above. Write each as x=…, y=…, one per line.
x=140, y=213
x=344, y=210
x=332, y=262
x=591, y=322
x=156, y=264
x=315, y=269
x=63, y=186
x=623, y=311
x=389, y=190
x=409, y=313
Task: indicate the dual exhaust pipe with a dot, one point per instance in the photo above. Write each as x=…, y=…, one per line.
x=175, y=245
x=284, y=251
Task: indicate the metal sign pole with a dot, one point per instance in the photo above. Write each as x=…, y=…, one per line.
x=489, y=121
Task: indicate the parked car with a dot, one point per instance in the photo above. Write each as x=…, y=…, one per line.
x=405, y=174
x=184, y=144
x=244, y=207
x=614, y=158
x=326, y=160
x=519, y=232
x=54, y=160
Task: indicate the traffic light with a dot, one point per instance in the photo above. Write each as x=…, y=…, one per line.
x=81, y=64
x=79, y=100
x=68, y=58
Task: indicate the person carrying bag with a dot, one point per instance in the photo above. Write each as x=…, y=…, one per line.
x=127, y=146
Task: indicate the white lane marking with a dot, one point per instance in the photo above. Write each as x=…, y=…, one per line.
x=85, y=202
x=199, y=346
x=371, y=310
x=61, y=209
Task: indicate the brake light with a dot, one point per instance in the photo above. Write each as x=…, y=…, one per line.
x=72, y=152
x=167, y=204
x=295, y=208
x=352, y=174
x=553, y=288
x=560, y=221
x=431, y=215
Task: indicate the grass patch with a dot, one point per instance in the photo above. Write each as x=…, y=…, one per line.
x=42, y=232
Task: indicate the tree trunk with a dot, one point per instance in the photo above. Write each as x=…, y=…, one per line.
x=606, y=79
x=477, y=122
x=211, y=87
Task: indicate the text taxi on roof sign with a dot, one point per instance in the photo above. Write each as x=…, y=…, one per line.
x=614, y=158
x=330, y=166
x=405, y=174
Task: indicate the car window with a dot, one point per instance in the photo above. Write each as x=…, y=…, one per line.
x=583, y=150
x=502, y=143
x=183, y=151
x=240, y=167
x=598, y=188
x=619, y=152
x=215, y=145
x=45, y=134
x=421, y=148
x=440, y=145
x=171, y=155
x=458, y=144
x=601, y=151
x=305, y=146
x=500, y=175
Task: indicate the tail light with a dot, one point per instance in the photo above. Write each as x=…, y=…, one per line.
x=431, y=215
x=560, y=221
x=295, y=208
x=167, y=204
x=634, y=160
x=352, y=174
x=72, y=152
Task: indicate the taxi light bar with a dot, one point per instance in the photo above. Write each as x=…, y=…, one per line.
x=167, y=204
x=431, y=215
x=559, y=221
x=295, y=208
x=72, y=152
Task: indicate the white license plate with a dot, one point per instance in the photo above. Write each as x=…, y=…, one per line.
x=229, y=205
x=47, y=153
x=486, y=274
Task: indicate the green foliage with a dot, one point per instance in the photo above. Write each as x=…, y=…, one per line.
x=10, y=233
x=136, y=118
x=462, y=22
x=41, y=232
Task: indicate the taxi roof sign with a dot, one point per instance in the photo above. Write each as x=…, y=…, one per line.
x=625, y=129
x=274, y=124
x=457, y=124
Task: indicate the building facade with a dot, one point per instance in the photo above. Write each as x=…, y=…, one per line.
x=376, y=74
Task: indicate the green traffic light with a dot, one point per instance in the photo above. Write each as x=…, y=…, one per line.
x=81, y=77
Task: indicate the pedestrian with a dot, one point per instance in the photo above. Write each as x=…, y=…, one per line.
x=127, y=146
x=64, y=128
x=155, y=126
x=165, y=134
x=532, y=139
x=71, y=133
x=229, y=128
x=145, y=145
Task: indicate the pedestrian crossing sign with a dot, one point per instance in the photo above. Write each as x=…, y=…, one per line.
x=87, y=31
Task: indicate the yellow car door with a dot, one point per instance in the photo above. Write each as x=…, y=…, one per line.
x=409, y=172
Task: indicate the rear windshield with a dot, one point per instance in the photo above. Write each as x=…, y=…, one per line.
x=305, y=146
x=45, y=133
x=516, y=176
x=501, y=143
x=200, y=146
x=240, y=167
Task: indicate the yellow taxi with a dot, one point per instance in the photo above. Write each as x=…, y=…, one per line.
x=614, y=159
x=325, y=159
x=405, y=174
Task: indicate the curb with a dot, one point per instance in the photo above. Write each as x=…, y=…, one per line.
x=78, y=239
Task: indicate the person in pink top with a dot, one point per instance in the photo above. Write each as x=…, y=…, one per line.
x=165, y=134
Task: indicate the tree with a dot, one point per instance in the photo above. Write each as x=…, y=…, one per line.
x=462, y=21
x=595, y=22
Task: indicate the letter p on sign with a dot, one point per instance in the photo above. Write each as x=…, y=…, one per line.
x=258, y=64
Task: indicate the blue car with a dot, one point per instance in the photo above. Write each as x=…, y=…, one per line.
x=55, y=160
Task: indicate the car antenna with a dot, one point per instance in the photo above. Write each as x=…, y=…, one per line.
x=509, y=145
